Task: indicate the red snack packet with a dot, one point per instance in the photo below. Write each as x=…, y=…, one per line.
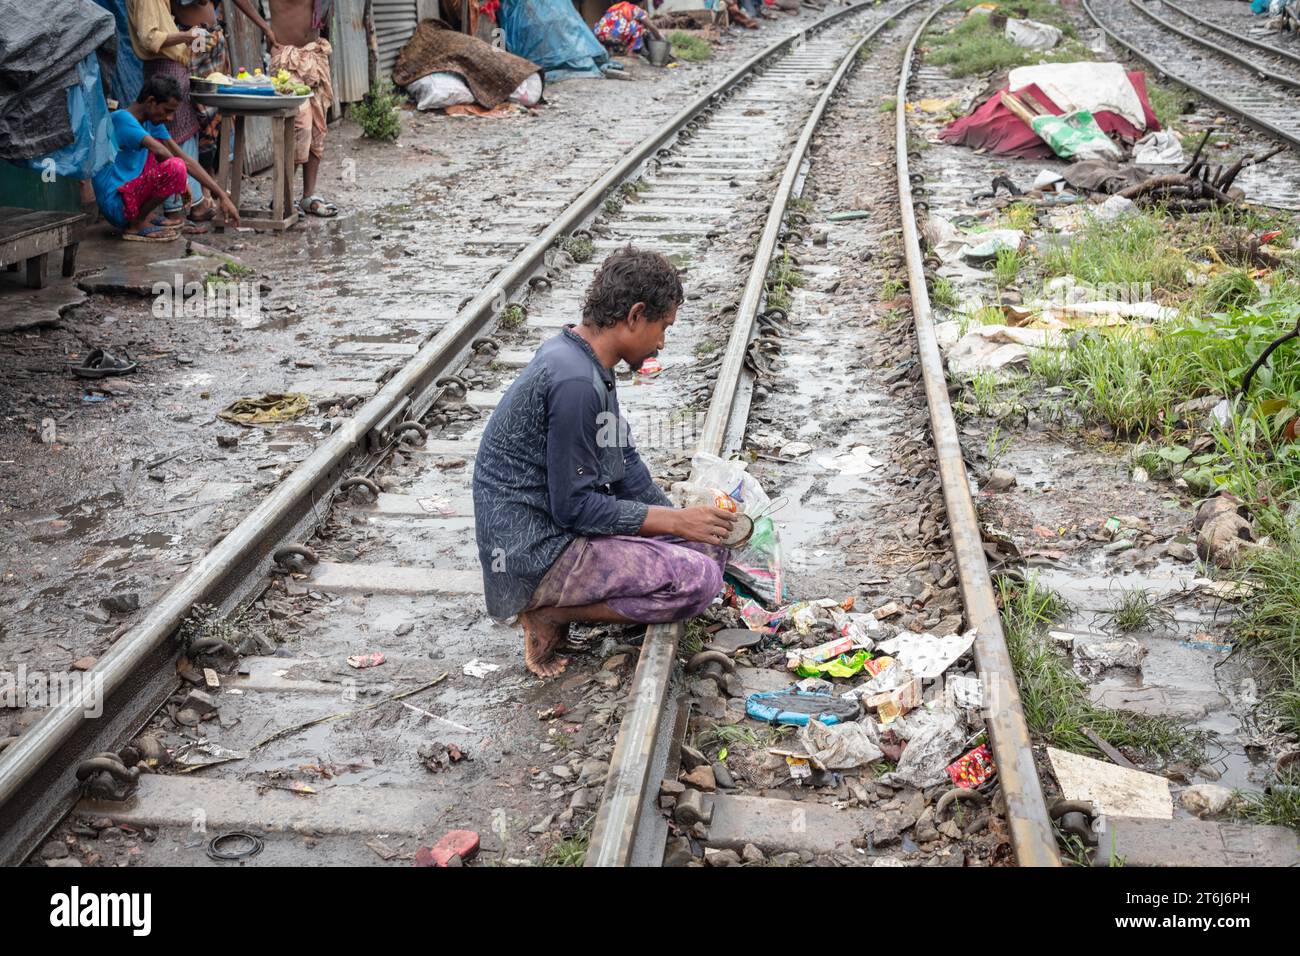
x=971, y=770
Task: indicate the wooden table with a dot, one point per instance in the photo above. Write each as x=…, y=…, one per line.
x=30, y=235
x=230, y=173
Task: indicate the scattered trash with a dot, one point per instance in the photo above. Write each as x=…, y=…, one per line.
x=1073, y=135
x=1111, y=789
x=1115, y=207
x=1201, y=643
x=1159, y=148
x=373, y=659
x=985, y=246
x=819, y=654
x=794, y=708
x=1206, y=799
x=935, y=735
x=1104, y=655
x=1032, y=35
x=439, y=756
x=848, y=215
x=455, y=848
x=925, y=655
x=965, y=691
x=650, y=367
x=478, y=668
x=858, y=460
x=891, y=704
x=269, y=409
x=973, y=769
x=842, y=746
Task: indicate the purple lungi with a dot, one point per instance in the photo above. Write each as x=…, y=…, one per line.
x=647, y=580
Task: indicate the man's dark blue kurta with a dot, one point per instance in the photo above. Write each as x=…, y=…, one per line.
x=549, y=468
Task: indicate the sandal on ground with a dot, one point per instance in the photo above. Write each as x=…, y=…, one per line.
x=101, y=364
x=315, y=206
x=152, y=233
x=193, y=228
x=207, y=215
x=166, y=222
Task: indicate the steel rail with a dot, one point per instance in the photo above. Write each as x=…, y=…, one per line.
x=1222, y=51
x=37, y=773
x=1031, y=830
x=630, y=788
x=1224, y=31
x=1261, y=124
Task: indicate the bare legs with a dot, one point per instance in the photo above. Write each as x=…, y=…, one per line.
x=546, y=628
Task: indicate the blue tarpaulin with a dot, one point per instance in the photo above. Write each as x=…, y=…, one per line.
x=92, y=147
x=128, y=74
x=551, y=34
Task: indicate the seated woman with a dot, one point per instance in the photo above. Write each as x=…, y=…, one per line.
x=623, y=27
x=569, y=525
x=150, y=167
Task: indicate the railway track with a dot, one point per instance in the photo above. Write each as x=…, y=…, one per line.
x=368, y=546
x=1259, y=86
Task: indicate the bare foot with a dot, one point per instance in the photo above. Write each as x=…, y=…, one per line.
x=541, y=638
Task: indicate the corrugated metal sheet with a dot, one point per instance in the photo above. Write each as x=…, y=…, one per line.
x=395, y=22
x=247, y=46
x=350, y=64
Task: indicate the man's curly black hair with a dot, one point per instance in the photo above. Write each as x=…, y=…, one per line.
x=627, y=277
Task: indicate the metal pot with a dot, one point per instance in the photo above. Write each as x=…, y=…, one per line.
x=658, y=52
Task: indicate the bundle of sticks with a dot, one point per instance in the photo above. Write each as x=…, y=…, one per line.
x=1199, y=185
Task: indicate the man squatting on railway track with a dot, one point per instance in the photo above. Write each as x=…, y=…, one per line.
x=570, y=525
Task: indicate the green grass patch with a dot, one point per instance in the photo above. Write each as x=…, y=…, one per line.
x=943, y=295
x=570, y=852
x=1280, y=806
x=1055, y=699
x=1006, y=268
x=978, y=43
x=1136, y=250
x=688, y=47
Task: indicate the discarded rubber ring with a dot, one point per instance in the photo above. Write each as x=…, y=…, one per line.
x=402, y=429
x=359, y=481
x=282, y=556
x=955, y=794
x=217, y=846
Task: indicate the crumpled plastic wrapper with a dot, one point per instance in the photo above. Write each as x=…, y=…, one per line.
x=934, y=737
x=841, y=746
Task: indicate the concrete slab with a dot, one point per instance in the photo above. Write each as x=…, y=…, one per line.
x=450, y=510
x=134, y=267
x=1141, y=842
x=440, y=447
x=334, y=389
x=762, y=680
x=362, y=578
x=1190, y=703
x=23, y=308
x=483, y=400
x=309, y=675
x=778, y=826
x=180, y=801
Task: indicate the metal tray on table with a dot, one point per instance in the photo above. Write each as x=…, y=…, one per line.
x=249, y=103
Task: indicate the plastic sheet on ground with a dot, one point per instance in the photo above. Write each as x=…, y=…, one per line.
x=985, y=246
x=1032, y=35
x=858, y=460
x=268, y=409
x=841, y=746
x=1160, y=148
x=926, y=655
x=1086, y=85
x=1075, y=135
x=935, y=736
x=551, y=34
x=992, y=348
x=992, y=126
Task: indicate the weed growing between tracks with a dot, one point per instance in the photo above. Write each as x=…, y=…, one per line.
x=377, y=113
x=976, y=45
x=1055, y=699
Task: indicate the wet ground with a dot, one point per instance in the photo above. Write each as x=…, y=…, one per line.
x=1069, y=480
x=134, y=483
